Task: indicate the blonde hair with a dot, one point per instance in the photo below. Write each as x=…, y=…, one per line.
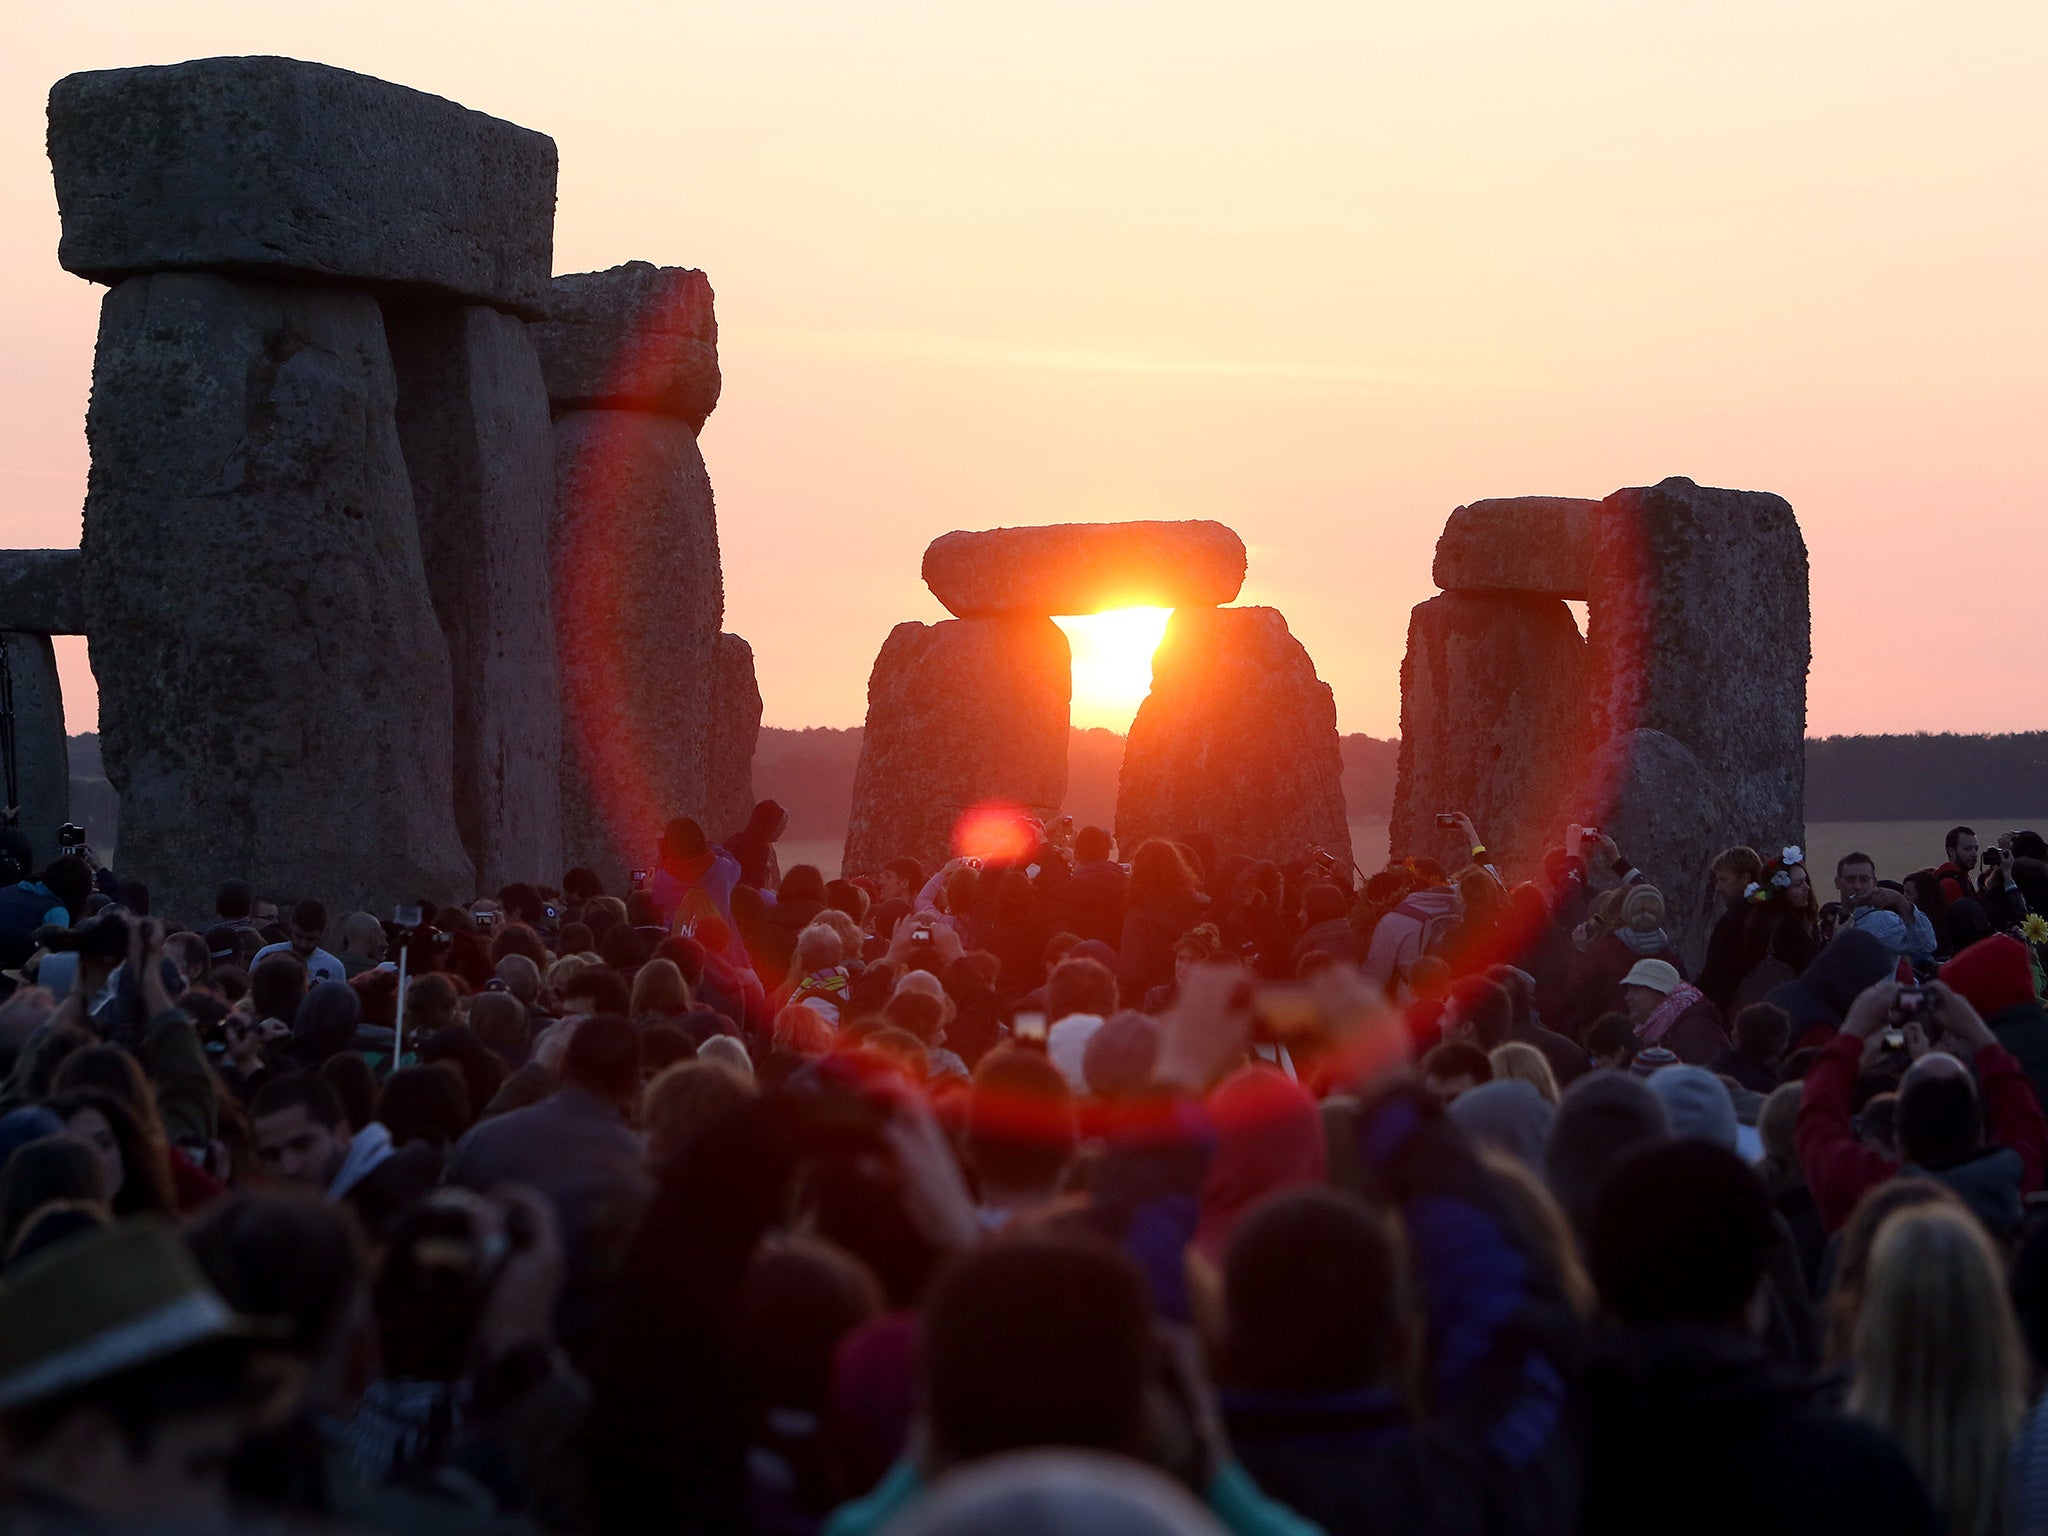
x=728, y=1054
x=851, y=938
x=819, y=946
x=685, y=1099
x=660, y=988
x=1938, y=1362
x=1522, y=1062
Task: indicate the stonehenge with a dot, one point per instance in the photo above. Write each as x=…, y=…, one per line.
x=1677, y=724
x=380, y=513
x=1237, y=738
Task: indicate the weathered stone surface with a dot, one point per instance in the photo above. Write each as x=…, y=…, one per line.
x=735, y=731
x=263, y=165
x=960, y=714
x=1700, y=629
x=473, y=420
x=1237, y=739
x=638, y=604
x=1537, y=544
x=42, y=767
x=274, y=695
x=1666, y=811
x=1072, y=568
x=41, y=591
x=632, y=338
x=1493, y=723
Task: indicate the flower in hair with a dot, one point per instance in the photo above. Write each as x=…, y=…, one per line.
x=2035, y=928
x=1792, y=855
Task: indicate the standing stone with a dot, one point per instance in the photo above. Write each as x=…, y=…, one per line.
x=966, y=713
x=735, y=731
x=638, y=604
x=1667, y=812
x=1237, y=739
x=1493, y=723
x=632, y=338
x=1085, y=568
x=42, y=765
x=1699, y=629
x=274, y=694
x=42, y=591
x=473, y=419
x=264, y=166
x=1537, y=544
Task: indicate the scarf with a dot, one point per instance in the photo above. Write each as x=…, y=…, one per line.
x=1658, y=1024
x=1644, y=946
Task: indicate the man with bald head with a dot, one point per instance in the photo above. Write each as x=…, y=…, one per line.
x=1967, y=1114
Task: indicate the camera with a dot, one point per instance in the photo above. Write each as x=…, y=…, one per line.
x=485, y=919
x=1911, y=1003
x=407, y=916
x=1028, y=1028
x=920, y=935
x=639, y=878
x=1991, y=858
x=1592, y=834
x=1447, y=821
x=71, y=838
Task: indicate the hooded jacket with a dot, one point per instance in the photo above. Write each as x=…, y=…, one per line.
x=1398, y=940
x=1996, y=977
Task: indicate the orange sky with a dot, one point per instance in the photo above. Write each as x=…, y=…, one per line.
x=1321, y=271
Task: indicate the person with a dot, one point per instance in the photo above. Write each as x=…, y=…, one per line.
x=126, y=1386
x=364, y=944
x=753, y=846
x=900, y=880
x=1878, y=909
x=308, y=927
x=1509, y=1114
x=1566, y=1059
x=1762, y=1033
x=1732, y=951
x=1937, y=1363
x=1943, y=1116
x=695, y=881
x=823, y=979
x=684, y=1099
x=1269, y=1138
x=1079, y=995
x=1418, y=925
x=1996, y=977
x=1327, y=930
x=1165, y=902
x=1022, y=1132
x=1454, y=1068
x=303, y=1139
x=1961, y=846
x=134, y=1165
x=1091, y=900
x=1624, y=926
x=1670, y=1012
x=1517, y=1061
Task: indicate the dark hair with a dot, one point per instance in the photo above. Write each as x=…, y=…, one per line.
x=622, y=949
x=800, y=1297
x=518, y=939
x=427, y=1103
x=582, y=883
x=522, y=903
x=576, y=938
x=70, y=880
x=351, y=1078
x=604, y=987
x=60, y=1166
x=604, y=1058
x=1032, y=1341
x=1324, y=902
x=1313, y=1292
x=299, y=1090
x=145, y=1161
x=801, y=882
x=277, y=986
x=1609, y=1033
x=1079, y=986
x=1457, y=1058
x=1956, y=835
x=684, y=838
x=909, y=870
x=1487, y=1008
x=1853, y=858
x=234, y=900
x=1762, y=1031
x=1680, y=1233
x=1161, y=874
x=683, y=952
x=112, y=1070
x=916, y=1013
x=845, y=896
x=310, y=916
x=1091, y=845
x=1021, y=1130
x=1940, y=1121
x=283, y=1255
x=431, y=1003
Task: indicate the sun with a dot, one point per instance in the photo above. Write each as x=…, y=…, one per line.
x=1113, y=662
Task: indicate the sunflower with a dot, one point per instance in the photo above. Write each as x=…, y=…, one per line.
x=2035, y=929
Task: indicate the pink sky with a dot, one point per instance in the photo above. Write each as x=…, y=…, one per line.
x=1320, y=271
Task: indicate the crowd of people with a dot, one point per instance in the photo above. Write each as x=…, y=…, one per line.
x=1055, y=1192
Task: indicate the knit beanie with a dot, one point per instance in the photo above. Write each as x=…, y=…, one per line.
x=1696, y=1104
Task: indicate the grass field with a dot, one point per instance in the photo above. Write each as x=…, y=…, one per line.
x=1898, y=846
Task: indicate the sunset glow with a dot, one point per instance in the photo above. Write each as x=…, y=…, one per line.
x=1113, y=663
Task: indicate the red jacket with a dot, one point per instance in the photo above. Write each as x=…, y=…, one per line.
x=1840, y=1169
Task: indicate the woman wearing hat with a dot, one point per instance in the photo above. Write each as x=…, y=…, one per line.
x=1670, y=1012
x=1625, y=926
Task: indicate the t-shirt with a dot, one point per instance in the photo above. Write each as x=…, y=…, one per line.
x=320, y=965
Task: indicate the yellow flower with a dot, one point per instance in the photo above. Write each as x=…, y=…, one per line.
x=2035, y=928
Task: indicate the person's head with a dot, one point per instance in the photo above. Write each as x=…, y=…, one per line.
x=603, y=1059
x=1646, y=986
x=686, y=1098
x=110, y=1069
x=1940, y=1121
x=501, y=1024
x=846, y=899
x=798, y=1300
x=595, y=989
x=302, y=1134
x=819, y=948
x=1314, y=1296
x=1611, y=1040
x=1937, y=1358
x=900, y=880
x=1198, y=945
x=134, y=1164
x=276, y=986
x=916, y=1012
x=521, y=977
x=1762, y=1031
x=1035, y=1341
x=801, y=1031
x=1642, y=909
x=1734, y=869
x=1600, y=1118
x=1962, y=847
x=1855, y=878
x=351, y=1078
x=1161, y=874
x=727, y=1052
x=1775, y=1123
x=1079, y=986
x=1680, y=1234
x=58, y=1169
x=1092, y=845
x=659, y=988
x=1697, y=1105
x=1324, y=903
x=1455, y=1067
x=802, y=882
x=683, y=842
x=1120, y=1057
x=1478, y=1012
x=1021, y=1127
x=427, y=1103
x=189, y=953
x=518, y=939
x=127, y=1384
x=1852, y=1261
x=431, y=1004
x=1523, y=1063
x=233, y=899
x=308, y=927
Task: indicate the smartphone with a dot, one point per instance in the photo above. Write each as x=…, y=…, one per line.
x=407, y=917
x=1028, y=1028
x=1447, y=821
x=920, y=935
x=1590, y=834
x=639, y=878
x=1911, y=1003
x=1286, y=1010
